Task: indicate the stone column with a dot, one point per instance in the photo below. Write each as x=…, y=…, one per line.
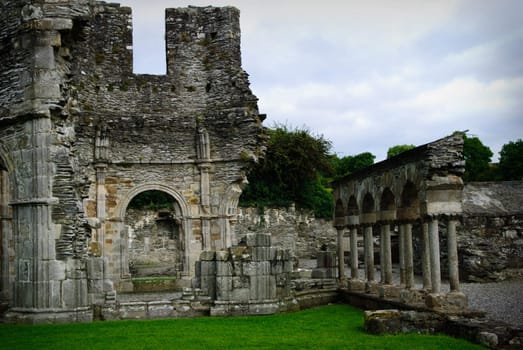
x=452, y=248
x=354, y=273
x=5, y=236
x=369, y=254
x=435, y=272
x=341, y=259
x=386, y=258
x=409, y=261
x=425, y=257
x=382, y=267
x=401, y=248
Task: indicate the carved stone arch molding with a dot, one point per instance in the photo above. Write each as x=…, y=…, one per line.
x=121, y=207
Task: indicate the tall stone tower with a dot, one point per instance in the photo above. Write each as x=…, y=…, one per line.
x=81, y=135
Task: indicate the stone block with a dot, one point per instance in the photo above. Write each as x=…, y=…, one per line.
x=224, y=268
x=95, y=286
x=323, y=273
x=257, y=268
x=208, y=268
x=382, y=322
x=55, y=294
x=160, y=309
x=222, y=255
x=95, y=268
x=56, y=270
x=387, y=291
x=451, y=302
x=277, y=267
x=241, y=295
x=258, y=240
x=223, y=288
x=288, y=266
x=44, y=57
x=412, y=296
x=490, y=340
x=263, y=288
x=263, y=308
x=134, y=310
x=208, y=255
x=263, y=253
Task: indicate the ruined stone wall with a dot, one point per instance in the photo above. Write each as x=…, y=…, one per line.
x=491, y=239
x=297, y=230
x=81, y=135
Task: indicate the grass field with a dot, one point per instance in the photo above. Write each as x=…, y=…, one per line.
x=328, y=327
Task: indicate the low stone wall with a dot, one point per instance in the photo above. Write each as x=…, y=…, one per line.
x=487, y=333
x=189, y=303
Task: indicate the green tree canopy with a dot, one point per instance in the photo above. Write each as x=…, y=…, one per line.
x=477, y=160
x=294, y=170
x=347, y=165
x=395, y=150
x=511, y=161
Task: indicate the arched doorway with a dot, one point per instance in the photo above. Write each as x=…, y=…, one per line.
x=155, y=235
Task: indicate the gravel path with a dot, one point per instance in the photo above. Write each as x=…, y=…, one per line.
x=501, y=301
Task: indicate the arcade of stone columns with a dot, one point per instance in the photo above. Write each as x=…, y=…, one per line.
x=421, y=187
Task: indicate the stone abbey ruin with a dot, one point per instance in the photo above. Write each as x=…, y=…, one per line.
x=81, y=136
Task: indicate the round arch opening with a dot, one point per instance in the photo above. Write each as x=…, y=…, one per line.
x=155, y=235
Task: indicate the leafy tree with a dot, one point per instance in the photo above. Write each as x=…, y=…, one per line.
x=511, y=161
x=349, y=164
x=477, y=160
x=295, y=169
x=395, y=150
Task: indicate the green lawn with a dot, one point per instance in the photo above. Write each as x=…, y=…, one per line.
x=328, y=327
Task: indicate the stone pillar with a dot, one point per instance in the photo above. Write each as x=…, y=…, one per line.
x=452, y=248
x=5, y=236
x=354, y=273
x=401, y=248
x=369, y=254
x=39, y=275
x=435, y=271
x=386, y=258
x=382, y=254
x=341, y=258
x=425, y=257
x=409, y=260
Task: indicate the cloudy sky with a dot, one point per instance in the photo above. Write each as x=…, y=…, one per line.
x=371, y=74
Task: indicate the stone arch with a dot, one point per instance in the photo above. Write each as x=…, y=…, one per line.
x=387, y=205
x=368, y=209
x=352, y=207
x=388, y=201
x=410, y=204
x=121, y=207
x=367, y=205
x=353, y=211
x=182, y=214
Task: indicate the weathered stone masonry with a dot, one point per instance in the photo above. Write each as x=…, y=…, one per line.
x=81, y=135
